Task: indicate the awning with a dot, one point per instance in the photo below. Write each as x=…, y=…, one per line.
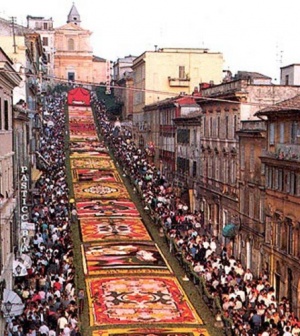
x=19, y=269
x=35, y=174
x=12, y=304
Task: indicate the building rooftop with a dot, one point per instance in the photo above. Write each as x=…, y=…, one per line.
x=288, y=105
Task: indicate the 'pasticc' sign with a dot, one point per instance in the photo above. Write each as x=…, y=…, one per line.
x=24, y=195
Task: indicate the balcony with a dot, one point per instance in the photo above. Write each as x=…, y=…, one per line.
x=253, y=125
x=284, y=152
x=179, y=82
x=167, y=130
x=230, y=88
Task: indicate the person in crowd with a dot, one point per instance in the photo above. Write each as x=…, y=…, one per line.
x=49, y=292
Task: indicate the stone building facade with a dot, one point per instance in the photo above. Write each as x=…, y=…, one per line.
x=281, y=164
x=251, y=191
x=8, y=236
x=224, y=108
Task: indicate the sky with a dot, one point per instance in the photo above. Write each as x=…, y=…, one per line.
x=256, y=35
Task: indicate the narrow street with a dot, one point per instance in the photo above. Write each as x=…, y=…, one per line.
x=131, y=278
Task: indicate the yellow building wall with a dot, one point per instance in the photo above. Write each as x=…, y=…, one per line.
x=6, y=43
x=153, y=73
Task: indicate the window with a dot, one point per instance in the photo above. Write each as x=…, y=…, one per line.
x=183, y=166
x=242, y=200
x=225, y=176
x=276, y=180
x=205, y=168
x=181, y=72
x=209, y=172
x=45, y=25
x=251, y=204
x=281, y=133
x=293, y=183
x=233, y=171
x=290, y=236
x=234, y=125
x=242, y=152
x=32, y=49
x=218, y=127
x=217, y=168
x=263, y=169
x=213, y=167
x=71, y=45
x=221, y=169
x=280, y=180
x=270, y=178
x=284, y=236
x=297, y=182
x=6, y=116
x=0, y=114
x=278, y=231
x=261, y=209
x=194, y=168
x=296, y=239
x=71, y=76
x=226, y=127
x=183, y=136
x=272, y=134
x=252, y=159
x=287, y=181
x=45, y=41
x=287, y=79
x=294, y=131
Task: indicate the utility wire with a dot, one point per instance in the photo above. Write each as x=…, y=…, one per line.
x=171, y=94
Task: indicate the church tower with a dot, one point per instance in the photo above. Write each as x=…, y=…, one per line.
x=74, y=60
x=74, y=16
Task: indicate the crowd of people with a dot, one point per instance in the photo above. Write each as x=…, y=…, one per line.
x=53, y=305
x=248, y=301
x=48, y=290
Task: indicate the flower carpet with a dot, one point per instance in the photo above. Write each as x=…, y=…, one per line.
x=131, y=289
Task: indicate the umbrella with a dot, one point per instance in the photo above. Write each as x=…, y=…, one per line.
x=19, y=269
x=50, y=123
x=12, y=304
x=229, y=230
x=26, y=260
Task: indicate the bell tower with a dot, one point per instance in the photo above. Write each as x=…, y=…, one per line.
x=74, y=16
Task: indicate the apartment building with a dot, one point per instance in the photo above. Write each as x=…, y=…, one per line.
x=44, y=27
x=169, y=72
x=8, y=235
x=281, y=164
x=224, y=108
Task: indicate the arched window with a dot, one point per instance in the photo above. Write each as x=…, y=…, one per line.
x=296, y=239
x=71, y=44
x=284, y=236
x=290, y=291
x=277, y=224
